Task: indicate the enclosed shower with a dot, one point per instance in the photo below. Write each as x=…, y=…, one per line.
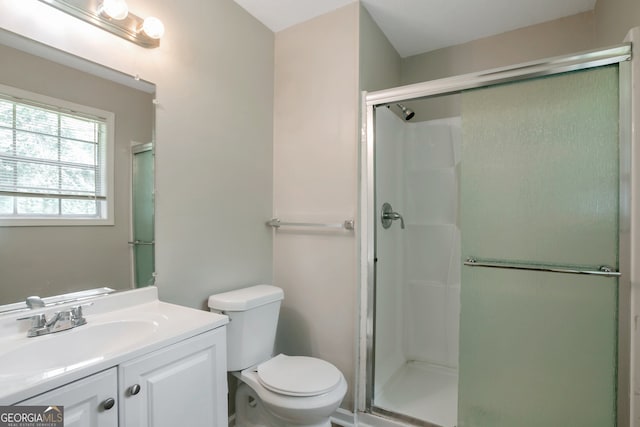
x=417, y=302
x=496, y=283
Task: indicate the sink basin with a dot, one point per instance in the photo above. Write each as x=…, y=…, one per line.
x=120, y=327
x=61, y=352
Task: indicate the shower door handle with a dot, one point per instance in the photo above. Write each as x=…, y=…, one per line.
x=387, y=216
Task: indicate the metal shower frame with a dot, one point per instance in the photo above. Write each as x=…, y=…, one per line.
x=370, y=101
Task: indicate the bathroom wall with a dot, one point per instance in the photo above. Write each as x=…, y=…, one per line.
x=561, y=36
x=380, y=69
x=614, y=19
x=635, y=239
x=607, y=24
x=214, y=133
x=315, y=179
x=379, y=61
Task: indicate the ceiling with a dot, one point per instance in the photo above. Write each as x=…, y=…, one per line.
x=418, y=26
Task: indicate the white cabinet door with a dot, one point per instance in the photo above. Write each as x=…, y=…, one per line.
x=85, y=401
x=184, y=384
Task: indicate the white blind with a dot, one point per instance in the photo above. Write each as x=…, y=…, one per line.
x=52, y=161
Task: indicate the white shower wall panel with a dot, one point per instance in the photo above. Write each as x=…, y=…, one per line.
x=432, y=241
x=428, y=250
x=453, y=278
x=426, y=338
x=433, y=306
x=429, y=145
x=390, y=357
x=431, y=196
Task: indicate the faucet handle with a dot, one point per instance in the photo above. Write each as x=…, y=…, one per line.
x=388, y=215
x=34, y=302
x=76, y=314
x=77, y=309
x=38, y=321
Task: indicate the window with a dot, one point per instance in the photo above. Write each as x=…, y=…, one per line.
x=56, y=162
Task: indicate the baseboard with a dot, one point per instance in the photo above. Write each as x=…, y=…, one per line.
x=344, y=418
x=341, y=417
x=370, y=420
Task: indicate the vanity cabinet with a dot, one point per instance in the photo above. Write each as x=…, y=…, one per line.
x=183, y=384
x=89, y=402
x=180, y=385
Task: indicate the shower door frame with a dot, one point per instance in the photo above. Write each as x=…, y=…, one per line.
x=620, y=54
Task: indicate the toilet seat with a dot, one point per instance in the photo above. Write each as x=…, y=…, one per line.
x=298, y=375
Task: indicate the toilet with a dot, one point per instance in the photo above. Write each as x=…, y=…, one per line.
x=278, y=390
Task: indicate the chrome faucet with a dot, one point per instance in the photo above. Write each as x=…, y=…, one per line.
x=60, y=321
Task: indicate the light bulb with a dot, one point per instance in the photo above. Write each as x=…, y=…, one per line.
x=153, y=27
x=115, y=9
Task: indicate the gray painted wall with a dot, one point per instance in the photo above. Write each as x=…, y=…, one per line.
x=214, y=133
x=379, y=61
x=614, y=19
x=215, y=151
x=561, y=36
x=315, y=180
x=558, y=37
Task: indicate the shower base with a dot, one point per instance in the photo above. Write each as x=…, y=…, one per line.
x=423, y=391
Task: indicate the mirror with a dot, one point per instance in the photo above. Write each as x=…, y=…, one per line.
x=52, y=260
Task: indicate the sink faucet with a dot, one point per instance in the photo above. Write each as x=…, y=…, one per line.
x=60, y=321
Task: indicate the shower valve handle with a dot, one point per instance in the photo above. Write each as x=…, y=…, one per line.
x=388, y=216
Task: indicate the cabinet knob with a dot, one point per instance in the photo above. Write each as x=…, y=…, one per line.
x=134, y=389
x=109, y=403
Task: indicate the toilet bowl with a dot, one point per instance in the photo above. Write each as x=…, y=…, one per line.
x=293, y=390
x=274, y=391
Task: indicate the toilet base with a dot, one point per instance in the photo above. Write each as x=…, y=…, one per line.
x=250, y=411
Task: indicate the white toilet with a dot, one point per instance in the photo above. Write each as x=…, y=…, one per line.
x=274, y=391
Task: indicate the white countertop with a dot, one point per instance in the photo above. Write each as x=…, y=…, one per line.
x=120, y=327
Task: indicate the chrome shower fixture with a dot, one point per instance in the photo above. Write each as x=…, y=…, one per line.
x=407, y=113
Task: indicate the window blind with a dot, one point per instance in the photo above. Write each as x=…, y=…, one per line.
x=52, y=160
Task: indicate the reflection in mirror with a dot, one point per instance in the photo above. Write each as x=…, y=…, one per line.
x=48, y=260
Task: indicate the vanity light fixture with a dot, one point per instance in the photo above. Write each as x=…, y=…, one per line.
x=153, y=27
x=114, y=16
x=114, y=9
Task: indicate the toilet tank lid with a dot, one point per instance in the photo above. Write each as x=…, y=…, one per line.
x=246, y=298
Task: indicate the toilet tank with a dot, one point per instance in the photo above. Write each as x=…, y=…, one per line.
x=251, y=332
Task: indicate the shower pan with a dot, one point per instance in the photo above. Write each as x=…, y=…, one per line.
x=497, y=277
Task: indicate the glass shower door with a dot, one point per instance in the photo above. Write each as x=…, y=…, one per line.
x=143, y=215
x=539, y=186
